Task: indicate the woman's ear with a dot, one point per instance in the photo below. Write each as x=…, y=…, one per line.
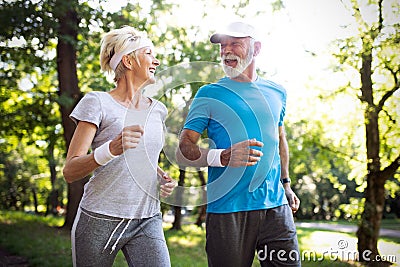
x=127, y=61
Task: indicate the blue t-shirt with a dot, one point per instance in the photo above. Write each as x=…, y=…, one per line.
x=232, y=112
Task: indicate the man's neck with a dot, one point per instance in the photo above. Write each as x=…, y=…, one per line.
x=244, y=78
x=248, y=75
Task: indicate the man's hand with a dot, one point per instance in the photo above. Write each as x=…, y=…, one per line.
x=240, y=154
x=294, y=201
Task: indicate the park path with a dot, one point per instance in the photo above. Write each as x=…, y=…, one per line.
x=346, y=228
x=9, y=260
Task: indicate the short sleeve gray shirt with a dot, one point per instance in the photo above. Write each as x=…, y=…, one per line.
x=126, y=187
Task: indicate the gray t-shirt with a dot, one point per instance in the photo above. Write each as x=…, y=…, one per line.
x=126, y=187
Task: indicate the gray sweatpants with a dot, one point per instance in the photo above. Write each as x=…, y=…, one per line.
x=233, y=238
x=96, y=240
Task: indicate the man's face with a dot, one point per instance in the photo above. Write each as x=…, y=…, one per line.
x=236, y=55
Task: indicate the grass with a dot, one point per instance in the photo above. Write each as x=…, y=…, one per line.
x=186, y=247
x=41, y=241
x=36, y=238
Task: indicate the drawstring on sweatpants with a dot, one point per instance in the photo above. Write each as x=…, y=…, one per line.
x=119, y=237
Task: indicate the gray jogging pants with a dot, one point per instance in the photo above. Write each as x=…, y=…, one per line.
x=233, y=239
x=96, y=240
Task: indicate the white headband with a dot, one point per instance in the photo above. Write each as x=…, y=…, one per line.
x=135, y=43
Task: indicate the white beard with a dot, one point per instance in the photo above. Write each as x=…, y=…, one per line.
x=242, y=64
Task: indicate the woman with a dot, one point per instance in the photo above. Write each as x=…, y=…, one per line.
x=120, y=207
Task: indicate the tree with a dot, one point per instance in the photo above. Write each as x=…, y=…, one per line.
x=373, y=54
x=67, y=32
x=31, y=118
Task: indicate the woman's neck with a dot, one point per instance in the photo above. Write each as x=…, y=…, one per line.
x=129, y=95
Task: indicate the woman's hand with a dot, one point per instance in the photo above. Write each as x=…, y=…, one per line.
x=129, y=138
x=167, y=185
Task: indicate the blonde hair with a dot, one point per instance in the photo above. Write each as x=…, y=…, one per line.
x=113, y=42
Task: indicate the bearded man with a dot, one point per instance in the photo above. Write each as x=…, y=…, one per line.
x=250, y=203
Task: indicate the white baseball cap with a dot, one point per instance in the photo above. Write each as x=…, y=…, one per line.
x=234, y=29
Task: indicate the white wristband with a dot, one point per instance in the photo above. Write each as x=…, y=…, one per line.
x=102, y=154
x=214, y=157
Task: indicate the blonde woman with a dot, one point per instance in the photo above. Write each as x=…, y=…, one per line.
x=120, y=207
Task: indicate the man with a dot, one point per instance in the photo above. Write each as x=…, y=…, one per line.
x=250, y=202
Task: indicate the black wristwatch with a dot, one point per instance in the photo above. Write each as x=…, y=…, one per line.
x=285, y=180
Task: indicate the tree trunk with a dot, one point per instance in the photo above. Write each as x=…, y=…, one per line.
x=177, y=224
x=35, y=200
x=69, y=91
x=53, y=198
x=202, y=209
x=368, y=232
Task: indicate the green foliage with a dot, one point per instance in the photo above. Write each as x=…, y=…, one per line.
x=21, y=170
x=385, y=67
x=353, y=208
x=14, y=185
x=379, y=37
x=192, y=239
x=320, y=172
x=31, y=129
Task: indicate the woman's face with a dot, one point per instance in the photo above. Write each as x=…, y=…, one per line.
x=146, y=65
